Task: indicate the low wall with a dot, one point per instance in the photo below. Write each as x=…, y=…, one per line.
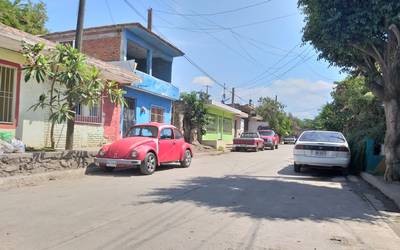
x=42, y=162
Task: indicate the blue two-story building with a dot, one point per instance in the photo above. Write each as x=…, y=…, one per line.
x=135, y=48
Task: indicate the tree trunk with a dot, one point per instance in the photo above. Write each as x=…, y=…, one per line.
x=392, y=139
x=69, y=140
x=52, y=141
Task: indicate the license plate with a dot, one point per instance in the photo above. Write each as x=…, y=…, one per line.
x=111, y=163
x=319, y=153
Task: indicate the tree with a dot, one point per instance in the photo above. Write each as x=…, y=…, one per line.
x=363, y=37
x=195, y=114
x=72, y=82
x=273, y=112
x=24, y=15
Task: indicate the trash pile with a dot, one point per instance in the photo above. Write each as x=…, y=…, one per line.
x=9, y=144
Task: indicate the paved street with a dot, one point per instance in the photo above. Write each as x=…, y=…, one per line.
x=232, y=201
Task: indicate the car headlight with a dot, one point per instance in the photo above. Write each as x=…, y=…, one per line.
x=134, y=154
x=102, y=153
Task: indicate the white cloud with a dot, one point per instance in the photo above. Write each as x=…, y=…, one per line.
x=302, y=98
x=203, y=80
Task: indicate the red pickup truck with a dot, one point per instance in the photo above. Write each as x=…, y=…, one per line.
x=271, y=139
x=248, y=140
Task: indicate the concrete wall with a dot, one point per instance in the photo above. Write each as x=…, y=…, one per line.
x=41, y=162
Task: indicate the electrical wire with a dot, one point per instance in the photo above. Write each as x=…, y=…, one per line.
x=215, y=13
x=109, y=11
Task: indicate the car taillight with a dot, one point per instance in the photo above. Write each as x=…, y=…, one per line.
x=299, y=147
x=343, y=149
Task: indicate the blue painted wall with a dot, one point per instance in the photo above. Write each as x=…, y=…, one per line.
x=147, y=100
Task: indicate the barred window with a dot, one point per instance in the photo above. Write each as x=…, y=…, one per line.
x=88, y=114
x=157, y=114
x=7, y=85
x=212, y=123
x=227, y=126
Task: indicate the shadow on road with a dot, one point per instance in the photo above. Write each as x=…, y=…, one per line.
x=92, y=169
x=270, y=198
x=309, y=171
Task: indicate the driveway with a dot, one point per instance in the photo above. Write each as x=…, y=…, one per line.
x=232, y=201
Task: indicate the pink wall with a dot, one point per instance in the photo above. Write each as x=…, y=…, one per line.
x=112, y=115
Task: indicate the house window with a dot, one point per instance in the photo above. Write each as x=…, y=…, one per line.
x=88, y=114
x=157, y=114
x=212, y=123
x=7, y=85
x=227, y=126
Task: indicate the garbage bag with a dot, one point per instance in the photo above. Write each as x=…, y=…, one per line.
x=18, y=145
x=6, y=147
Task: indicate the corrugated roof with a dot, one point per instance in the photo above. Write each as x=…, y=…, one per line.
x=12, y=39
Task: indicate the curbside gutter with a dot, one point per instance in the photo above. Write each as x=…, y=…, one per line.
x=390, y=190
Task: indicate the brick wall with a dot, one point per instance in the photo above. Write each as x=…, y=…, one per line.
x=103, y=48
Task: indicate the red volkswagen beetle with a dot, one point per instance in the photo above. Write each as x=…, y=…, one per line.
x=146, y=146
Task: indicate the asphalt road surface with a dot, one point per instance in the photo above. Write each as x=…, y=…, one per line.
x=232, y=201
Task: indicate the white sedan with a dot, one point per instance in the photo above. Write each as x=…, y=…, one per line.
x=324, y=149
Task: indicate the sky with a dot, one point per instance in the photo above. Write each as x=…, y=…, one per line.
x=254, y=46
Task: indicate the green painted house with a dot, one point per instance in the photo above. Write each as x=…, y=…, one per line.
x=223, y=122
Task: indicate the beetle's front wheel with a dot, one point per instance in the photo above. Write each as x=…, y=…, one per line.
x=187, y=159
x=149, y=164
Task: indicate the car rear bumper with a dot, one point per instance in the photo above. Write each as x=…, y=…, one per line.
x=268, y=144
x=108, y=162
x=244, y=146
x=329, y=162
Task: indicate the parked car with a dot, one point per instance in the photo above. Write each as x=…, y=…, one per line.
x=248, y=140
x=146, y=146
x=289, y=139
x=271, y=139
x=322, y=149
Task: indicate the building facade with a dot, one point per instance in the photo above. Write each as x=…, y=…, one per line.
x=93, y=125
x=220, y=130
x=135, y=48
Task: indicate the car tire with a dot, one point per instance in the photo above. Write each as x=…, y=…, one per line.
x=276, y=146
x=187, y=159
x=108, y=169
x=345, y=171
x=273, y=147
x=149, y=164
x=297, y=168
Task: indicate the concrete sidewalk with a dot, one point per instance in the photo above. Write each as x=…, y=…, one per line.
x=391, y=190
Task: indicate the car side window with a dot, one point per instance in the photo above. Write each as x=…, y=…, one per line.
x=178, y=135
x=166, y=134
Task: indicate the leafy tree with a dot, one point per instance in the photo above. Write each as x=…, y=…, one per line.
x=273, y=112
x=24, y=15
x=195, y=114
x=71, y=81
x=363, y=37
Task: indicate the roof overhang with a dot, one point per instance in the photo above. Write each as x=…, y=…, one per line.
x=226, y=108
x=12, y=39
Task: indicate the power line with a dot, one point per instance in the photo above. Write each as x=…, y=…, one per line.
x=215, y=13
x=109, y=11
x=185, y=56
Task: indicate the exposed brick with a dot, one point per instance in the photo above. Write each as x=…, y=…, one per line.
x=103, y=48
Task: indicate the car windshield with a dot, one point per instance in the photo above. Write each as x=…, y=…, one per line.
x=267, y=133
x=143, y=131
x=248, y=135
x=322, y=136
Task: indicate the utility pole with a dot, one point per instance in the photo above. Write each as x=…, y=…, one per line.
x=79, y=25
x=150, y=19
x=233, y=97
x=207, y=86
x=69, y=140
x=276, y=98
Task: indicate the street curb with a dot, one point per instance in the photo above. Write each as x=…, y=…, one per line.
x=209, y=153
x=390, y=190
x=36, y=179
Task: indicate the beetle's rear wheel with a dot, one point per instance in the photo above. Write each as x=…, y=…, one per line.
x=149, y=164
x=187, y=159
